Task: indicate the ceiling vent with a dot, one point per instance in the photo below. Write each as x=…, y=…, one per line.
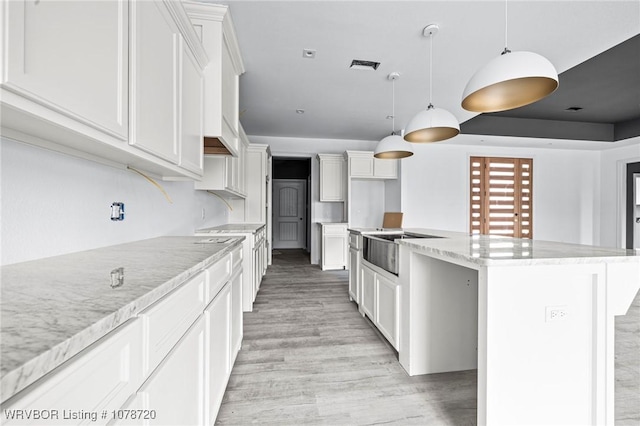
x=573, y=109
x=358, y=64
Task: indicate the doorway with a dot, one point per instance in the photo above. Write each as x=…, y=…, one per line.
x=291, y=194
x=632, y=222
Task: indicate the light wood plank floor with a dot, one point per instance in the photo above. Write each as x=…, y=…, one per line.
x=308, y=357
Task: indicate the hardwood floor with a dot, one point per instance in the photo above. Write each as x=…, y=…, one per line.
x=308, y=357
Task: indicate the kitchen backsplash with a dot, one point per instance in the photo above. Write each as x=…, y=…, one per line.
x=54, y=204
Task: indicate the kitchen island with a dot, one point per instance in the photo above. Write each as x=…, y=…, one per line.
x=535, y=318
x=88, y=331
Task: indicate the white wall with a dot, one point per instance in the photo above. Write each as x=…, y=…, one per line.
x=300, y=147
x=566, y=185
x=56, y=204
x=613, y=183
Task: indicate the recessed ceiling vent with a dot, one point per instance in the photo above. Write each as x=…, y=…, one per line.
x=573, y=109
x=358, y=64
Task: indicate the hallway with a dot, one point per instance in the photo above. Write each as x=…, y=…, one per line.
x=308, y=357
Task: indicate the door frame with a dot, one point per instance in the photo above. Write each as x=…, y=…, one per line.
x=621, y=231
x=632, y=170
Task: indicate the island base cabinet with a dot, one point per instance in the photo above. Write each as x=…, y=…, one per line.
x=386, y=317
x=175, y=390
x=71, y=397
x=368, y=300
x=354, y=275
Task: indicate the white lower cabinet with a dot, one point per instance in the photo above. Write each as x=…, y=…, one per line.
x=334, y=246
x=99, y=379
x=218, y=330
x=175, y=390
x=379, y=300
x=354, y=274
x=169, y=365
x=368, y=299
x=236, y=315
x=387, y=314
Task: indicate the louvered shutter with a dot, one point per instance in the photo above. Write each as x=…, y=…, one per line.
x=501, y=196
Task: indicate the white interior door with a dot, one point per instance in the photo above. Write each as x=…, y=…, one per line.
x=289, y=213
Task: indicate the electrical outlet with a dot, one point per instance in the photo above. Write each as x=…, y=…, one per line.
x=556, y=313
x=117, y=211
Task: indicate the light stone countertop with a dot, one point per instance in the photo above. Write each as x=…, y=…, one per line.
x=53, y=308
x=233, y=228
x=493, y=250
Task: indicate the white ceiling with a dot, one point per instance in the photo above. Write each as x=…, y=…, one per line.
x=341, y=103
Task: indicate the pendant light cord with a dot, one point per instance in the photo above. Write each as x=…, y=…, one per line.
x=393, y=106
x=506, y=24
x=506, y=28
x=431, y=69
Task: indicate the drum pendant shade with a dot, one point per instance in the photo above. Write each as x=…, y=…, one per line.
x=512, y=80
x=393, y=146
x=431, y=125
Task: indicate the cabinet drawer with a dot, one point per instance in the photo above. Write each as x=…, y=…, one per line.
x=355, y=241
x=99, y=378
x=334, y=229
x=168, y=319
x=219, y=274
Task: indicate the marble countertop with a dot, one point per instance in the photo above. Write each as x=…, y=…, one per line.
x=52, y=308
x=489, y=250
x=233, y=228
x=485, y=250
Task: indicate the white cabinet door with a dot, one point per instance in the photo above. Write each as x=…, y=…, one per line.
x=385, y=169
x=334, y=251
x=361, y=166
x=213, y=24
x=70, y=56
x=218, y=318
x=386, y=313
x=191, y=142
x=332, y=178
x=236, y=315
x=156, y=45
x=176, y=388
x=354, y=274
x=368, y=296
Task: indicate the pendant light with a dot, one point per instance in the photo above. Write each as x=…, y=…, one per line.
x=393, y=146
x=512, y=80
x=433, y=124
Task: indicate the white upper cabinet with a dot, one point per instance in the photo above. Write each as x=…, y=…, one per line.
x=192, y=113
x=167, y=81
x=332, y=177
x=214, y=25
x=155, y=66
x=70, y=57
x=363, y=165
x=224, y=174
x=115, y=81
